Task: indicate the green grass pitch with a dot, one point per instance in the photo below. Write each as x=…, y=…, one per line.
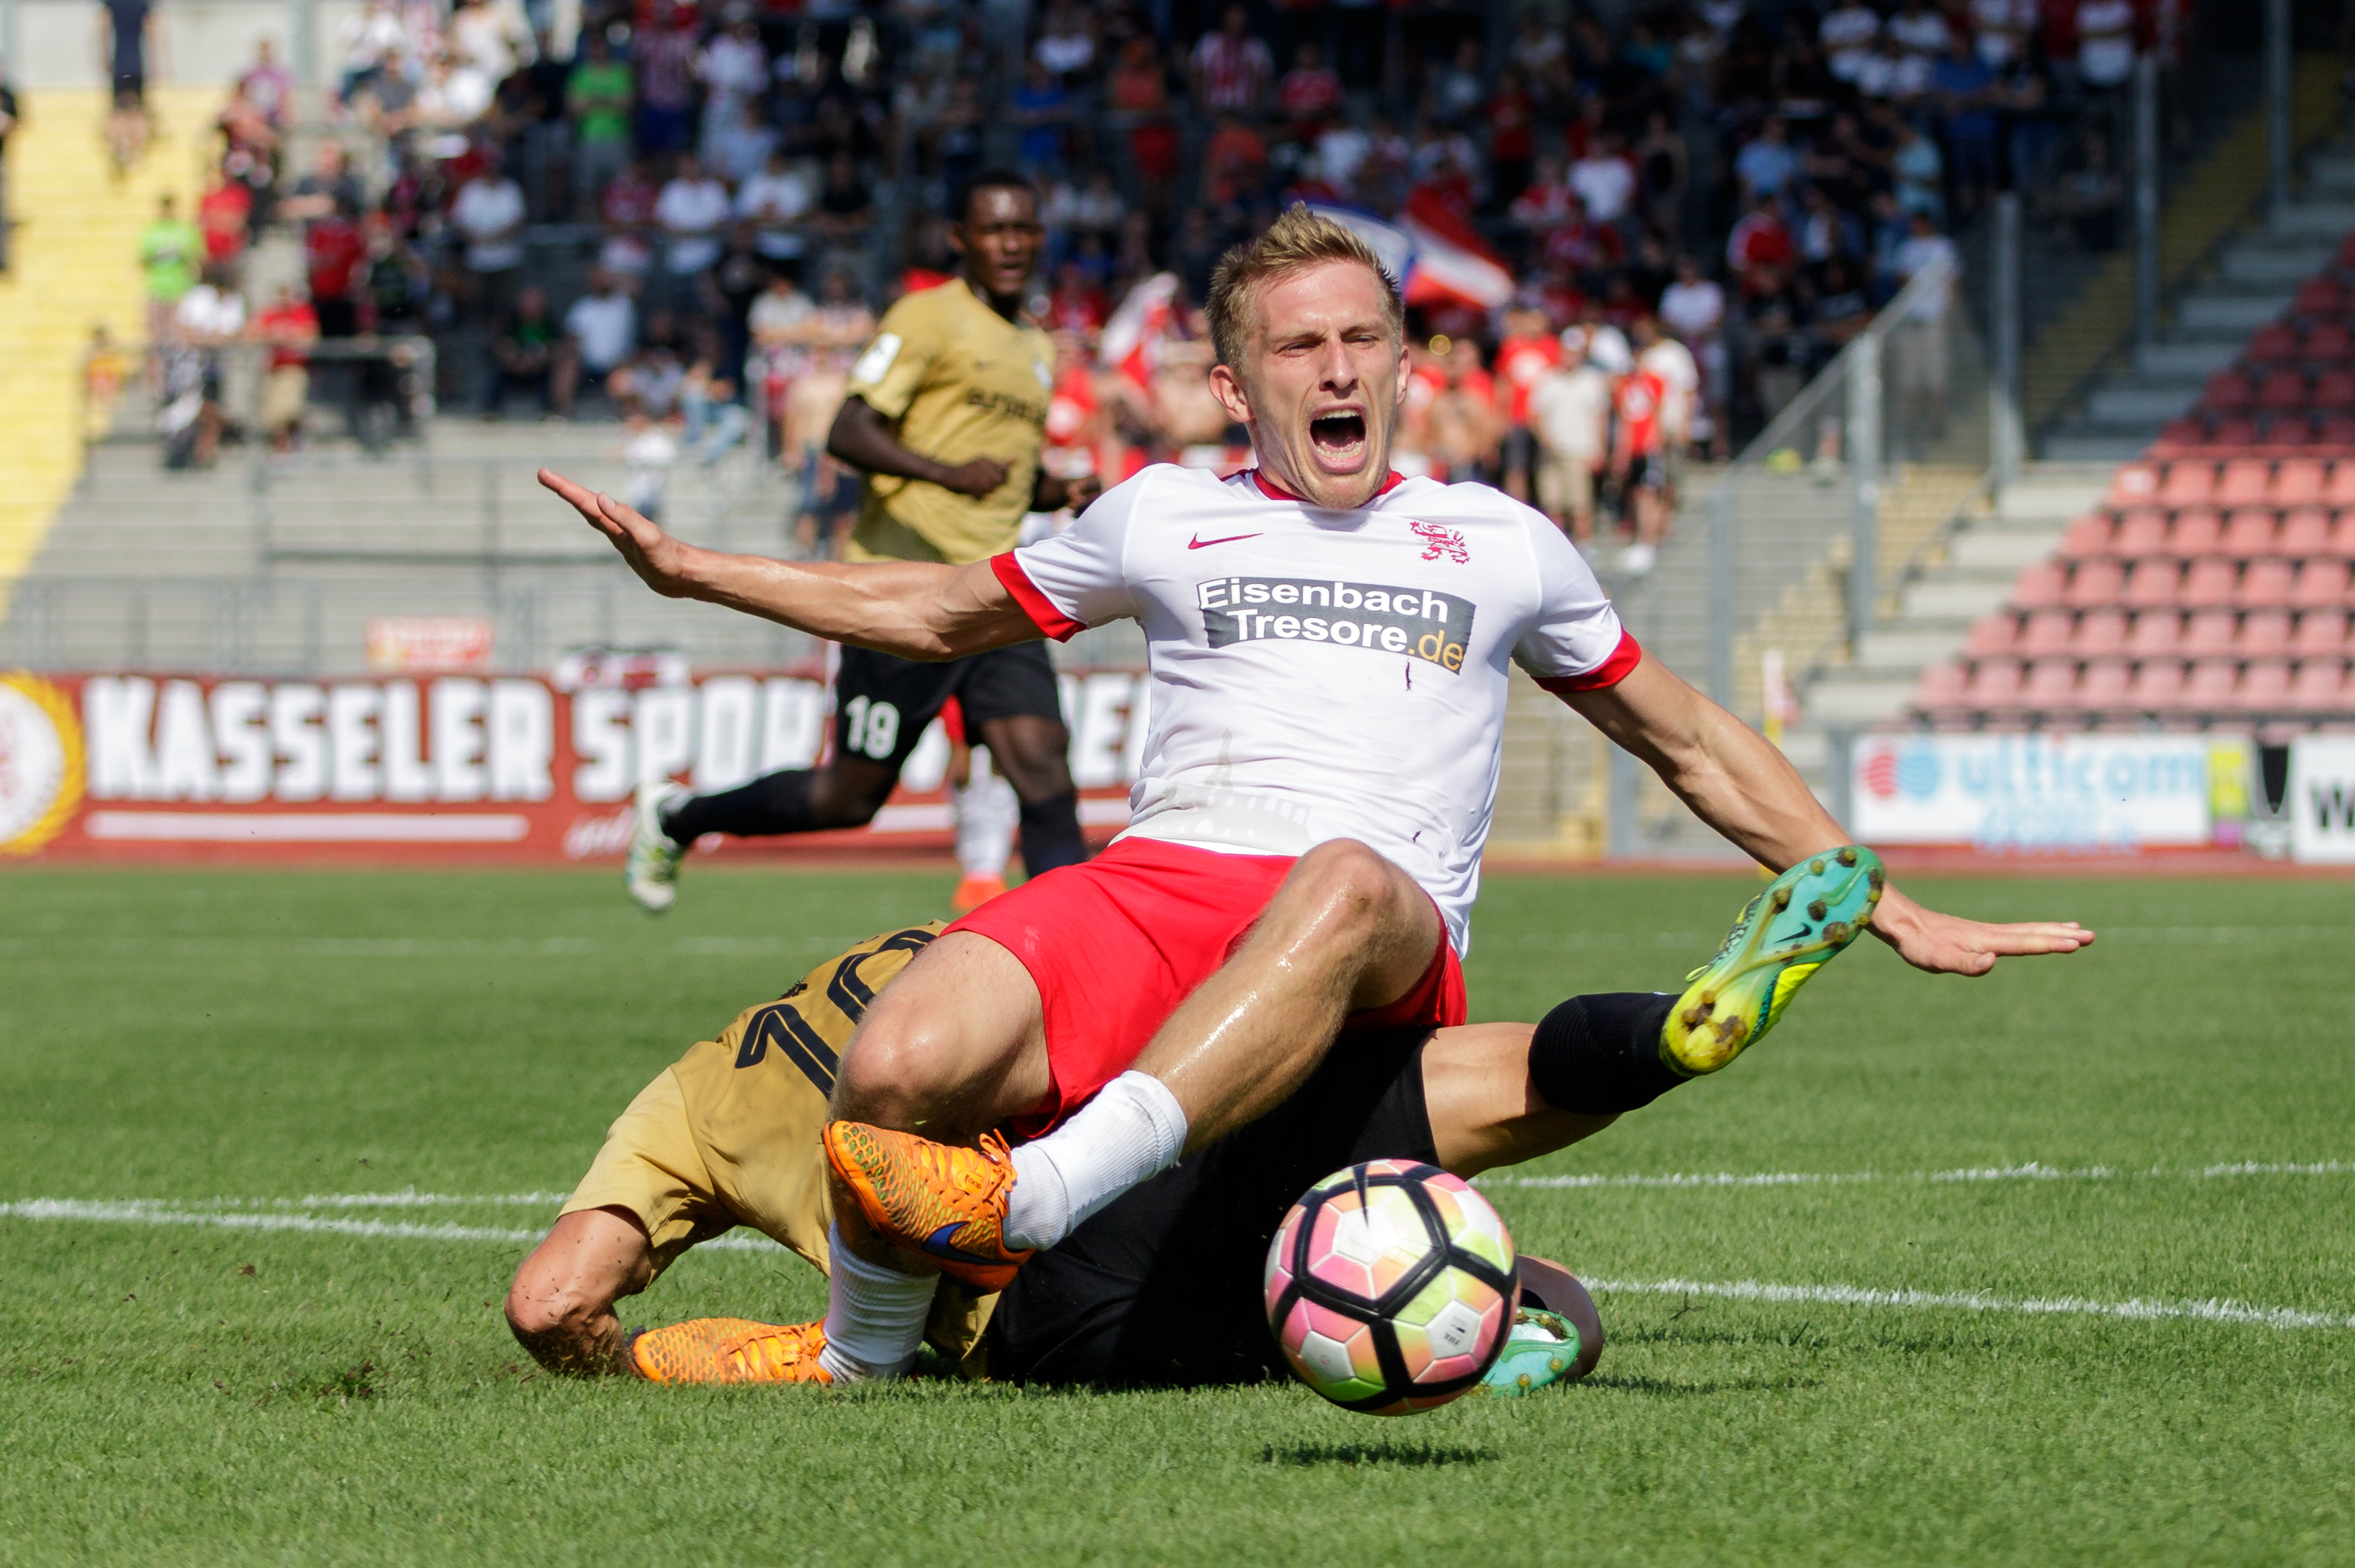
x=174, y=1393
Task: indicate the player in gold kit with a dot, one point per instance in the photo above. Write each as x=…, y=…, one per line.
x=945, y=416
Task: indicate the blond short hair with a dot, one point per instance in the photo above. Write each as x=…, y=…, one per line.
x=1294, y=243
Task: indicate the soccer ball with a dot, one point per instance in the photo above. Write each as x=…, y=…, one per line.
x=1391, y=1287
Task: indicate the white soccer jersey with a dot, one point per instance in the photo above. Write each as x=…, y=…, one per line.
x=1321, y=674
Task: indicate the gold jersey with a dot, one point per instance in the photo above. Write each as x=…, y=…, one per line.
x=728, y=1135
x=961, y=382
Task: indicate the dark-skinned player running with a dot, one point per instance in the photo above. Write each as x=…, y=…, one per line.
x=945, y=418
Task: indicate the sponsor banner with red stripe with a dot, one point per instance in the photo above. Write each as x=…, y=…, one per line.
x=144, y=765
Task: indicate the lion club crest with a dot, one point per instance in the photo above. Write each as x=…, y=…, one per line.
x=1438, y=542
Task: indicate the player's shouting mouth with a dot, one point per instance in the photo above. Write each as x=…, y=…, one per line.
x=1305, y=831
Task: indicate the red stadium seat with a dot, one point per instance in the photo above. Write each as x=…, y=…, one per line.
x=2265, y=584
x=2320, y=687
x=2088, y=535
x=2157, y=582
x=2156, y=685
x=2263, y=633
x=2135, y=484
x=2106, y=685
x=2343, y=535
x=2176, y=437
x=2142, y=531
x=2272, y=346
x=2249, y=532
x=2188, y=482
x=2338, y=430
x=2281, y=390
x=2100, y=633
x=2243, y=482
x=2298, y=481
x=2210, y=634
x=2265, y=687
x=2046, y=633
x=2233, y=432
x=2291, y=429
x=2050, y=684
x=2210, y=686
x=2334, y=391
x=2156, y=634
x=2228, y=392
x=2305, y=532
x=1995, y=684
x=2321, y=585
x=1992, y=635
x=2210, y=582
x=2321, y=633
x=2101, y=580
x=2040, y=585
x=2327, y=343
x=2196, y=531
x=1940, y=688
x=2319, y=297
x=2340, y=490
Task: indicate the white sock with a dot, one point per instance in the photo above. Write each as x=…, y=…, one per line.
x=1133, y=1128
x=874, y=1316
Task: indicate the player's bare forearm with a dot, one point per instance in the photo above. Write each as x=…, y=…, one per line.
x=1748, y=792
x=863, y=438
x=916, y=610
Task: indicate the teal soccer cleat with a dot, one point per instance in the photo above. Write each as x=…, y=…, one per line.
x=1787, y=933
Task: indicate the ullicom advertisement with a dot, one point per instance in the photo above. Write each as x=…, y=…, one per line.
x=2065, y=793
x=153, y=766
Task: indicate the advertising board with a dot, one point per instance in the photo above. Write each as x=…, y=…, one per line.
x=2321, y=800
x=147, y=766
x=2067, y=793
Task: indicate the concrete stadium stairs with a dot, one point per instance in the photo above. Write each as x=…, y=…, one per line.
x=73, y=263
x=276, y=566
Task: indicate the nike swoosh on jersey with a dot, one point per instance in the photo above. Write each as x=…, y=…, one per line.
x=1199, y=542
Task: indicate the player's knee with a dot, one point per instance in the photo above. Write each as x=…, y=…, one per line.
x=1353, y=887
x=893, y=1074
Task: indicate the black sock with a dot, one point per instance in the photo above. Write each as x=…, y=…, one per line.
x=1599, y=1055
x=1050, y=834
x=778, y=803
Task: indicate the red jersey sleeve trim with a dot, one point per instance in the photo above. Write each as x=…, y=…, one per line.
x=1041, y=610
x=1610, y=673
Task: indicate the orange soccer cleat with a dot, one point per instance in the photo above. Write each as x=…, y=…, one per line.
x=729, y=1350
x=945, y=1201
x=975, y=891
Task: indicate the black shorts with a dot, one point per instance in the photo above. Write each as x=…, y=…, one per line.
x=1163, y=1287
x=1520, y=451
x=1648, y=472
x=881, y=703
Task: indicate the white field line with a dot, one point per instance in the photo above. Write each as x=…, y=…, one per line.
x=2031, y=1171
x=1976, y=1301
x=148, y=1211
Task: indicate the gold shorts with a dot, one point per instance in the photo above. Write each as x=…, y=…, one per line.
x=728, y=1135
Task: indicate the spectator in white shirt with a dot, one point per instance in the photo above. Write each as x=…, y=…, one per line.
x=1920, y=29
x=1919, y=345
x=1230, y=69
x=693, y=213
x=1604, y=179
x=600, y=331
x=1569, y=413
x=773, y=201
x=1849, y=36
x=1895, y=73
x=738, y=149
x=734, y=68
x=489, y=212
x=1766, y=164
x=1693, y=308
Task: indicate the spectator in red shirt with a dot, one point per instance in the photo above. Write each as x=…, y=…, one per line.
x=1234, y=162
x=1761, y=241
x=1528, y=351
x=289, y=326
x=1310, y=94
x=1512, y=138
x=1077, y=305
x=223, y=216
x=1639, y=463
x=1230, y=69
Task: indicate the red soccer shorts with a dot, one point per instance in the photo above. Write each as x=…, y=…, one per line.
x=1115, y=944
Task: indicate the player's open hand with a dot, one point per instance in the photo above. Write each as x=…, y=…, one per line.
x=1950, y=945
x=977, y=478
x=658, y=559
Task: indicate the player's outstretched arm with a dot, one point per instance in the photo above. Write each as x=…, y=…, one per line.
x=917, y=610
x=1748, y=791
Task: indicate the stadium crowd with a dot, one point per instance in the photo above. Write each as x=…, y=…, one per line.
x=691, y=212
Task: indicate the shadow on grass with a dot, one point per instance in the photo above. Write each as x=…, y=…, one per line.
x=1306, y=1455
x=1668, y=1388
